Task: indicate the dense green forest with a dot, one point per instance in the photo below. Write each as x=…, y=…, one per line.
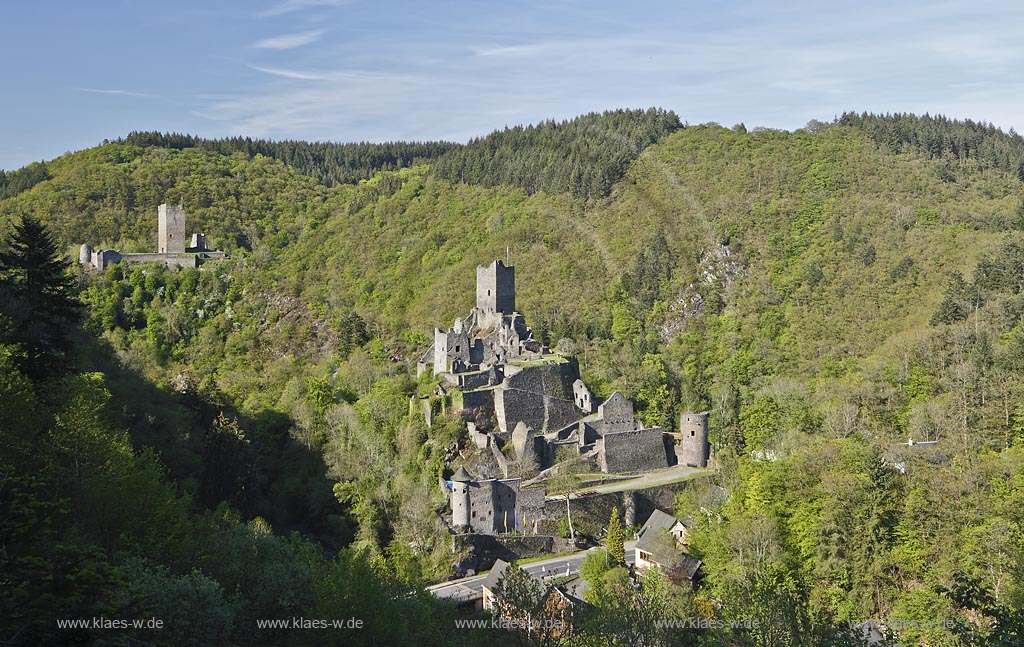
x=825, y=294
x=22, y=179
x=939, y=137
x=584, y=156
x=326, y=162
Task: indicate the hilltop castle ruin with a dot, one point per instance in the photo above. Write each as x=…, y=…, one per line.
x=516, y=394
x=172, y=249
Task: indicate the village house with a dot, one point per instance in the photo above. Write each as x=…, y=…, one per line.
x=661, y=544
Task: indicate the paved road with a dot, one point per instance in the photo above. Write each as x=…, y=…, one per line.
x=471, y=588
x=653, y=478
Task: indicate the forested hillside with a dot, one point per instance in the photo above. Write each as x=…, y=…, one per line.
x=326, y=162
x=584, y=156
x=825, y=294
x=939, y=137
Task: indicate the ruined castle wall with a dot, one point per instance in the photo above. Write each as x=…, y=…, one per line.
x=501, y=460
x=616, y=415
x=537, y=411
x=530, y=505
x=479, y=400
x=170, y=260
x=560, y=413
x=480, y=439
x=474, y=380
x=451, y=350
x=491, y=504
x=633, y=451
x=590, y=514
x=555, y=380
x=486, y=549
x=104, y=258
x=519, y=406
x=582, y=397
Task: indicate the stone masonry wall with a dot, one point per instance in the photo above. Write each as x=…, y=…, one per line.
x=550, y=379
x=633, y=451
x=485, y=549
x=590, y=514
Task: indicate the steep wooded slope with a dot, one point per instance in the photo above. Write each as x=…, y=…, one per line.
x=802, y=287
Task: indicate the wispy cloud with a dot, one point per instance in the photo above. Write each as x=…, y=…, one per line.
x=289, y=41
x=510, y=50
x=343, y=104
x=289, y=6
x=770, y=71
x=290, y=74
x=126, y=93
x=336, y=75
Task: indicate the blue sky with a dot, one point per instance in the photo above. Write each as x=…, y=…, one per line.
x=75, y=73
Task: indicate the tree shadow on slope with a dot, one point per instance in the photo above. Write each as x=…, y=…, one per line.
x=215, y=453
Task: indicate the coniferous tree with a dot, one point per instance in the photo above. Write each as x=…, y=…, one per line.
x=616, y=548
x=955, y=304
x=38, y=304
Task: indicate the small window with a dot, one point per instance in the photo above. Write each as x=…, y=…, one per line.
x=458, y=348
x=692, y=432
x=488, y=293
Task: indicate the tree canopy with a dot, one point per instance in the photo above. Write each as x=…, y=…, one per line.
x=584, y=156
x=38, y=302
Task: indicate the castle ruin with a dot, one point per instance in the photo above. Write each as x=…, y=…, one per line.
x=515, y=393
x=172, y=250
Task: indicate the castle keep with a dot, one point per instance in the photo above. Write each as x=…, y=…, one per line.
x=170, y=229
x=492, y=334
x=172, y=249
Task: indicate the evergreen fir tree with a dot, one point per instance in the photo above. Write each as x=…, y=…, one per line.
x=616, y=548
x=38, y=305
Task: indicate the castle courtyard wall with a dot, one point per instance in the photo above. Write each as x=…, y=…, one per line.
x=638, y=450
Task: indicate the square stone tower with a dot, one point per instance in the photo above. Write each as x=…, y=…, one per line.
x=496, y=288
x=171, y=229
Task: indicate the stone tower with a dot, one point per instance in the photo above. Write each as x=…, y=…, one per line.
x=171, y=229
x=496, y=288
x=461, y=481
x=693, y=449
x=451, y=349
x=85, y=254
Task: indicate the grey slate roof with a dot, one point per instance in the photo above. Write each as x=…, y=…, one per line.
x=690, y=566
x=658, y=519
x=646, y=542
x=491, y=581
x=462, y=476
